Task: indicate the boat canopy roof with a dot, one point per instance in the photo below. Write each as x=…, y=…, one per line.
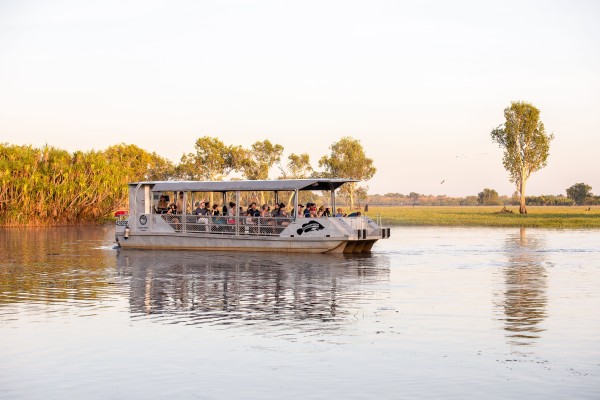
x=253, y=185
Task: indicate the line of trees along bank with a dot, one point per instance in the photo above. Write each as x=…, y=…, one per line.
x=50, y=186
x=488, y=197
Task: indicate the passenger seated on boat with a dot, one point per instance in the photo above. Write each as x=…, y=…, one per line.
x=179, y=203
x=216, y=214
x=339, y=213
x=251, y=222
x=202, y=214
x=307, y=210
x=248, y=220
x=282, y=216
x=320, y=211
x=266, y=219
x=231, y=213
x=300, y=211
x=172, y=220
x=163, y=205
x=264, y=211
x=327, y=212
x=253, y=210
x=354, y=214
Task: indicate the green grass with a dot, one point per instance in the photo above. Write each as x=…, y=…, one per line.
x=542, y=217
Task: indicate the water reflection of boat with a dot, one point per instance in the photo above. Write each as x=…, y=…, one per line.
x=230, y=288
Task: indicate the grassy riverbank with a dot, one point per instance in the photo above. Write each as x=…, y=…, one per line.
x=542, y=217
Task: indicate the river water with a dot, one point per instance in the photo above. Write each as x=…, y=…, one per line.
x=431, y=313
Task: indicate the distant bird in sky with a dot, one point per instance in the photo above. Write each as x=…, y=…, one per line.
x=442, y=181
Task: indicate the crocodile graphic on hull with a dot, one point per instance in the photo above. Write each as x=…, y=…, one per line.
x=310, y=226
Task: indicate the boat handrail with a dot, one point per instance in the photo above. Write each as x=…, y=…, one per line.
x=226, y=225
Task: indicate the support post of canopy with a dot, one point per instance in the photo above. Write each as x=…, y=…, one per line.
x=184, y=213
x=295, y=210
x=276, y=198
x=333, y=207
x=237, y=212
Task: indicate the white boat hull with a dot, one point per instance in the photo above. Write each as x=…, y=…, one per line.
x=232, y=242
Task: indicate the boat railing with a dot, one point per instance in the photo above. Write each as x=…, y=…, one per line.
x=227, y=225
x=367, y=226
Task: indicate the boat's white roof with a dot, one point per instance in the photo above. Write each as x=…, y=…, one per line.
x=254, y=185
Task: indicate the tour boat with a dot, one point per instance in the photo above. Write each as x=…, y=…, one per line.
x=149, y=225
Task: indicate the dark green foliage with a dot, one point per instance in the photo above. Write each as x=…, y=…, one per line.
x=579, y=193
x=347, y=159
x=489, y=197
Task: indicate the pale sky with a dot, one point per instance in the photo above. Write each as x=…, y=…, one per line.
x=420, y=83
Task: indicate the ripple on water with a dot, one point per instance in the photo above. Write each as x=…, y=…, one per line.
x=466, y=309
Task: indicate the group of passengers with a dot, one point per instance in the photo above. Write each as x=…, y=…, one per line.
x=278, y=215
x=164, y=207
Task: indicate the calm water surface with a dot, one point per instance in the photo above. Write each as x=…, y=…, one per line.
x=431, y=313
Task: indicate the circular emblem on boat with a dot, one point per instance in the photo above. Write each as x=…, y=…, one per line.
x=143, y=220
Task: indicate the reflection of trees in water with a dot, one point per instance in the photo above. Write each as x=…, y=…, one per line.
x=53, y=264
x=525, y=299
x=197, y=287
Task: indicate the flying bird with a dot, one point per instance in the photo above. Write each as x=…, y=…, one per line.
x=442, y=181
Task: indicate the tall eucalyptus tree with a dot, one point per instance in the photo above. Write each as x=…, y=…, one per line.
x=525, y=142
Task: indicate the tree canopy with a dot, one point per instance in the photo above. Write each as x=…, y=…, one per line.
x=488, y=197
x=525, y=142
x=298, y=167
x=579, y=192
x=138, y=164
x=213, y=160
x=347, y=159
x=257, y=162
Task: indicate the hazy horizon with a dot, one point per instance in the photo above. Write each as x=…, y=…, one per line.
x=421, y=85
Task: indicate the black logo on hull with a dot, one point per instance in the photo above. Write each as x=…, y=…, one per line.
x=143, y=220
x=309, y=227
